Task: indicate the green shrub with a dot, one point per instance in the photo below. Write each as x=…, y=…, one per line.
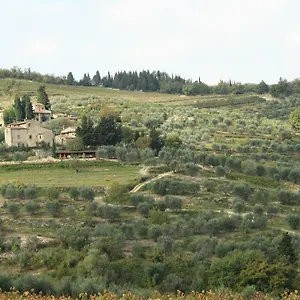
x=32, y=207
x=30, y=192
x=13, y=209
x=220, y=171
x=294, y=221
x=74, y=193
x=86, y=193
x=239, y=206
x=118, y=193
x=174, y=187
x=109, y=212
x=173, y=203
x=52, y=193
x=144, y=209
x=54, y=207
x=5, y=282
x=39, y=283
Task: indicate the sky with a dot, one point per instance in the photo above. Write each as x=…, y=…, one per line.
x=241, y=40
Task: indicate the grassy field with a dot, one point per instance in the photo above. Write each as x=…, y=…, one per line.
x=94, y=176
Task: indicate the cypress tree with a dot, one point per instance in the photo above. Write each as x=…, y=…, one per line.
x=42, y=97
x=28, y=109
x=53, y=149
x=70, y=79
x=23, y=106
x=157, y=142
x=18, y=108
x=97, y=79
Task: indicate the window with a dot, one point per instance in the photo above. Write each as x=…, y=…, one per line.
x=30, y=136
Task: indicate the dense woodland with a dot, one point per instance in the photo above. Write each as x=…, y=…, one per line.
x=157, y=81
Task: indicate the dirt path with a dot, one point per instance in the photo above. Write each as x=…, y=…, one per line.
x=139, y=186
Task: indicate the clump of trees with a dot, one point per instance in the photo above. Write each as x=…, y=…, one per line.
x=82, y=193
x=21, y=110
x=106, y=132
x=19, y=191
x=174, y=187
x=109, y=131
x=22, y=107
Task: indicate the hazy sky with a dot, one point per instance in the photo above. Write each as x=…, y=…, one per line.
x=242, y=40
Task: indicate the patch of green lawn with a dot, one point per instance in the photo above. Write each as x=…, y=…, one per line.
x=94, y=176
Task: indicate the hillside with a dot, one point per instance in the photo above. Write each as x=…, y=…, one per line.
x=71, y=92
x=216, y=207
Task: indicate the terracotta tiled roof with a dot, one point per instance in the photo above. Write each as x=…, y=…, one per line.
x=39, y=108
x=68, y=130
x=16, y=124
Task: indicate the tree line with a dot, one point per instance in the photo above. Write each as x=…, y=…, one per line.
x=157, y=81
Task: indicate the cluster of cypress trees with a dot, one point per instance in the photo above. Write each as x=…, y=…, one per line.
x=22, y=108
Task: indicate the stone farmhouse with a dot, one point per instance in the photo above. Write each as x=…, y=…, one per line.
x=29, y=133
x=40, y=113
x=66, y=135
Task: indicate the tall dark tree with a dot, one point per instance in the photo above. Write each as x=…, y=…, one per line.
x=18, y=109
x=97, y=79
x=28, y=108
x=86, y=131
x=262, y=88
x=107, y=81
x=157, y=142
x=86, y=80
x=286, y=249
x=23, y=105
x=70, y=79
x=42, y=97
x=108, y=131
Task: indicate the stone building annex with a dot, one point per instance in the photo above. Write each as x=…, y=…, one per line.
x=29, y=133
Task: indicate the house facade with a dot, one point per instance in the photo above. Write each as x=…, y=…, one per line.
x=29, y=133
x=40, y=113
x=66, y=135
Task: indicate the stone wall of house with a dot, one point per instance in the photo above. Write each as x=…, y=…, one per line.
x=30, y=133
x=15, y=136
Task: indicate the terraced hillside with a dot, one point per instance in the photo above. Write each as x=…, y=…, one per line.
x=217, y=207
